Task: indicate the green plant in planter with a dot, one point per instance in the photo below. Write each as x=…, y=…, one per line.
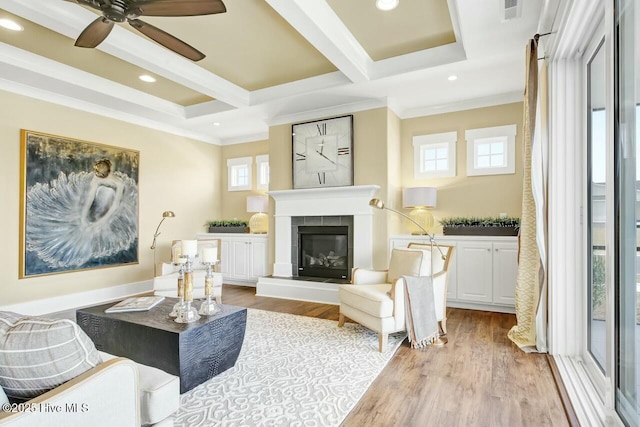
x=480, y=222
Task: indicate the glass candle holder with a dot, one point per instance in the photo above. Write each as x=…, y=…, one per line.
x=188, y=314
x=175, y=312
x=208, y=306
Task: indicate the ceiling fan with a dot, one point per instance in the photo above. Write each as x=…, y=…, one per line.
x=130, y=10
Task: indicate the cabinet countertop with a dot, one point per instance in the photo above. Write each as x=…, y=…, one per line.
x=448, y=237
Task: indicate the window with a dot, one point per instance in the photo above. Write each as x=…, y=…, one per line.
x=434, y=155
x=262, y=170
x=239, y=173
x=491, y=151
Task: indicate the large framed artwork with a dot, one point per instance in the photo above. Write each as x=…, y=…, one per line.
x=79, y=205
x=323, y=153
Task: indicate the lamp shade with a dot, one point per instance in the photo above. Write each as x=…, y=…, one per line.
x=257, y=203
x=413, y=197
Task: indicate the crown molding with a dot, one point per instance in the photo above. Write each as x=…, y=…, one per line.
x=466, y=104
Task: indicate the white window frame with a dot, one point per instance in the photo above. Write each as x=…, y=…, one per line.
x=475, y=137
x=233, y=165
x=262, y=172
x=421, y=142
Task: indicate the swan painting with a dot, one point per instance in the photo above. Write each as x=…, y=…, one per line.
x=80, y=205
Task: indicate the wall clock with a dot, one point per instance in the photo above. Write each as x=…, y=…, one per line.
x=323, y=153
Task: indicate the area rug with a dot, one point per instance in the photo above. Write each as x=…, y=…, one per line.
x=292, y=371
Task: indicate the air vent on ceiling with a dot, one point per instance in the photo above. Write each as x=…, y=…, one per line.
x=510, y=9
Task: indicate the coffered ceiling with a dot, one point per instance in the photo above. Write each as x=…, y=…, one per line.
x=271, y=62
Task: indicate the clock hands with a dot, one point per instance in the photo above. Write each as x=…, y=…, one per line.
x=320, y=152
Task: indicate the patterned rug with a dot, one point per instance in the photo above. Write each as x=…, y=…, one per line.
x=292, y=371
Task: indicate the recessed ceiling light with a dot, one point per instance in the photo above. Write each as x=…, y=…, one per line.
x=387, y=4
x=452, y=77
x=216, y=123
x=147, y=78
x=10, y=25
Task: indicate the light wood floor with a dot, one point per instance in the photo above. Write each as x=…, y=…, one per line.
x=479, y=378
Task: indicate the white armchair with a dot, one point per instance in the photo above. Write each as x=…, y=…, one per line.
x=167, y=282
x=375, y=299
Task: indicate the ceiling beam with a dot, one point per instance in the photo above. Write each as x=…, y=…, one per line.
x=316, y=21
x=70, y=19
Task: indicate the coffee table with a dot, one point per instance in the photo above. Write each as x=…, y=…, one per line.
x=194, y=351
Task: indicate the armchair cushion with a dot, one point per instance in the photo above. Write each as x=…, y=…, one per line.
x=371, y=299
x=404, y=262
x=38, y=354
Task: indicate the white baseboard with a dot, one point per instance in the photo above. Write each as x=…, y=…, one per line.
x=79, y=299
x=480, y=306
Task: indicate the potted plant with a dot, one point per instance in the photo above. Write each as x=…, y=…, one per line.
x=486, y=226
x=227, y=226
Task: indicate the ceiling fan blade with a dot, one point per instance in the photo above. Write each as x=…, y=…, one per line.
x=95, y=33
x=167, y=40
x=178, y=7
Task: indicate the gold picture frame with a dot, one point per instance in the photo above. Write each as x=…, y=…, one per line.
x=78, y=205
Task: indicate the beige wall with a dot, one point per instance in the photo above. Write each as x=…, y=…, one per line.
x=235, y=202
x=176, y=174
x=462, y=195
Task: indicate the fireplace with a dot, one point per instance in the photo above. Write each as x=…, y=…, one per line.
x=332, y=206
x=323, y=251
x=322, y=247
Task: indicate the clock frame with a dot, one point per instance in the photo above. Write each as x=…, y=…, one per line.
x=323, y=153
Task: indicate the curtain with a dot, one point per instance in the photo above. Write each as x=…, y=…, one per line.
x=530, y=331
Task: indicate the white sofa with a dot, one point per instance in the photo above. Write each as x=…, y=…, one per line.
x=117, y=392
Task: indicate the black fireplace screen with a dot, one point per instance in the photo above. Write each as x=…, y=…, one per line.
x=323, y=251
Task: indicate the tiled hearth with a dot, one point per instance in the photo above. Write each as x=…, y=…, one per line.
x=350, y=202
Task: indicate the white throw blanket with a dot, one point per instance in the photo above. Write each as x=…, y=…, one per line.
x=420, y=311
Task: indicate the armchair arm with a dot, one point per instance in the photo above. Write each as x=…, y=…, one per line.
x=106, y=395
x=362, y=276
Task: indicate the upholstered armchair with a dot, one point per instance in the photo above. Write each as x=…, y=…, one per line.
x=166, y=283
x=375, y=298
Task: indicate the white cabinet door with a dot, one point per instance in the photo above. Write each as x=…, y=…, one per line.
x=258, y=259
x=239, y=259
x=474, y=271
x=505, y=272
x=225, y=257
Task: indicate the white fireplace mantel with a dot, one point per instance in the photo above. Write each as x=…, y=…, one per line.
x=338, y=201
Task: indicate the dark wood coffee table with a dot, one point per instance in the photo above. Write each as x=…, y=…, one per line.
x=195, y=351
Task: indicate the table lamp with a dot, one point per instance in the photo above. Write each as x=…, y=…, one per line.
x=259, y=222
x=420, y=200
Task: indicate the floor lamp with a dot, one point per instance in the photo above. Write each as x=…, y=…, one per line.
x=379, y=204
x=165, y=215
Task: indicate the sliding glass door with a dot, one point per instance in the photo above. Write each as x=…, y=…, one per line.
x=596, y=207
x=627, y=209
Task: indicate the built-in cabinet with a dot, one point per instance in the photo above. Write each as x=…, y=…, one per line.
x=482, y=271
x=243, y=256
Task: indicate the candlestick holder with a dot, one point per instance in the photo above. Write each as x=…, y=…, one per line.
x=188, y=314
x=208, y=306
x=175, y=312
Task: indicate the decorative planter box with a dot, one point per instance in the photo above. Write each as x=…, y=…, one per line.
x=480, y=231
x=238, y=229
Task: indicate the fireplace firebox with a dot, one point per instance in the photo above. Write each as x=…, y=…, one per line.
x=323, y=251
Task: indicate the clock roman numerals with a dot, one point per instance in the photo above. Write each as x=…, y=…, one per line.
x=322, y=128
x=322, y=178
x=300, y=156
x=343, y=151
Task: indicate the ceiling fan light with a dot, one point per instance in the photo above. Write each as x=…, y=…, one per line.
x=147, y=78
x=452, y=77
x=387, y=4
x=10, y=25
